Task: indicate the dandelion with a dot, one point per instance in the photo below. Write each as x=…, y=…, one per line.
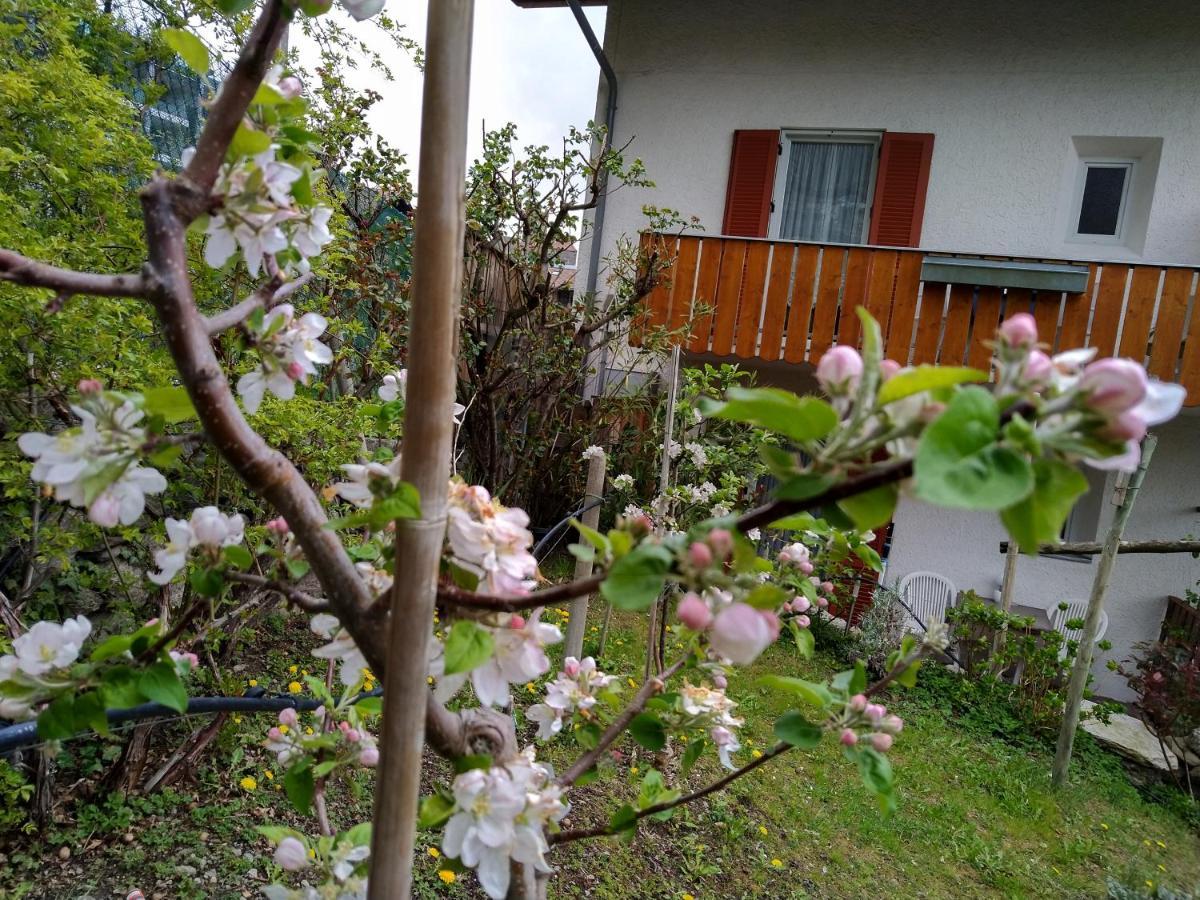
x=447, y=876
x=632, y=683
x=283, y=729
x=308, y=729
x=253, y=682
x=429, y=679
x=248, y=783
x=434, y=852
x=295, y=687
x=762, y=829
x=529, y=686
x=1161, y=845
x=633, y=770
x=237, y=720
x=777, y=863
x=292, y=670
x=1104, y=825
x=757, y=754
x=686, y=896
x=269, y=775
x=1162, y=868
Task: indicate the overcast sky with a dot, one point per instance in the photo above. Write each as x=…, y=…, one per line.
x=529, y=66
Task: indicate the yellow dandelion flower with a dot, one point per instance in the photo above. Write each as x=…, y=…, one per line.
x=253, y=682
x=1149, y=884
x=447, y=876
x=237, y=720
x=248, y=783
x=633, y=770
x=292, y=670
x=429, y=679
x=283, y=729
x=304, y=671
x=308, y=729
x=1161, y=845
x=632, y=683
x=295, y=687
x=1104, y=825
x=434, y=852
x=269, y=775
x=529, y=687
x=762, y=829
x=1146, y=841
x=686, y=896
x=777, y=863
x=328, y=493
x=1161, y=867
x=312, y=854
x=756, y=753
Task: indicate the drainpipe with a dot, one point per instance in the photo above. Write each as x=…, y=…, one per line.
x=610, y=118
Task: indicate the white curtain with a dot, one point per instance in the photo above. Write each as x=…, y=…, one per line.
x=825, y=197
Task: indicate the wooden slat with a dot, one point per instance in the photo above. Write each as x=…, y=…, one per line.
x=904, y=308
x=987, y=318
x=775, y=313
x=684, y=283
x=754, y=286
x=829, y=285
x=659, y=300
x=800, y=309
x=881, y=283
x=1076, y=310
x=1139, y=312
x=1046, y=307
x=1110, y=299
x=1168, y=329
x=729, y=289
x=639, y=322
x=953, y=350
x=1017, y=300
x=854, y=295
x=1189, y=374
x=929, y=323
x=706, y=292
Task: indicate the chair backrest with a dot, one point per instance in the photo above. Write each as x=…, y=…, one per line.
x=1076, y=609
x=928, y=595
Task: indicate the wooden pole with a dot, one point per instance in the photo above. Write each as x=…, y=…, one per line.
x=1091, y=548
x=577, y=624
x=428, y=439
x=658, y=609
x=1010, y=578
x=1091, y=621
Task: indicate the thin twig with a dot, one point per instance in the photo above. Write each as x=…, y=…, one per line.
x=117, y=569
x=273, y=291
x=515, y=602
x=306, y=602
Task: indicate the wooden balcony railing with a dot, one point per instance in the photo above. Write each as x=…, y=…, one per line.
x=784, y=300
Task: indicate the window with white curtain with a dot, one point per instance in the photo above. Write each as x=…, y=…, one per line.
x=823, y=187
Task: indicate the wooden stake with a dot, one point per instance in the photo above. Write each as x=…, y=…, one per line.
x=577, y=624
x=428, y=439
x=658, y=608
x=1091, y=622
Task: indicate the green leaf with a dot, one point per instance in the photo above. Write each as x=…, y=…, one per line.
x=110, y=647
x=779, y=462
x=248, y=141
x=207, y=582
x=959, y=464
x=435, y=811
x=238, y=556
x=472, y=761
x=299, y=786
x=587, y=777
x=803, y=486
x=302, y=189
x=57, y=721
x=468, y=646
x=189, y=47
x=637, y=578
x=267, y=95
x=803, y=419
x=160, y=683
x=876, y=772
x=692, y=754
x=792, y=728
x=810, y=692
x=926, y=378
x=805, y=642
x=767, y=596
x=1039, y=518
x=232, y=7
x=867, y=554
x=872, y=508
x=297, y=568
x=403, y=503
x=172, y=403
x=90, y=714
x=165, y=456
x=592, y=536
x=648, y=731
x=120, y=686
x=852, y=681
x=624, y=819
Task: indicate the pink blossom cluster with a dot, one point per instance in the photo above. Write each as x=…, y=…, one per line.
x=863, y=720
x=490, y=540
x=288, y=743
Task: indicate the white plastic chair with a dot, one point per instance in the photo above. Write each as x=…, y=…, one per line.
x=928, y=595
x=1076, y=609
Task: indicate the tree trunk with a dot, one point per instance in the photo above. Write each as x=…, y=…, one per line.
x=577, y=624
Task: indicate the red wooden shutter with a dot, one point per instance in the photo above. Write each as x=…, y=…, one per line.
x=900, y=187
x=751, y=181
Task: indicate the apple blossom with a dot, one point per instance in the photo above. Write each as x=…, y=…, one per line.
x=892, y=724
x=623, y=482
x=858, y=702
x=47, y=646
x=698, y=453
x=889, y=368
x=490, y=540
x=721, y=541
x=395, y=386
x=288, y=352
x=363, y=9
x=340, y=647
x=1039, y=368
x=740, y=633
x=793, y=554
x=848, y=737
x=881, y=741
x=291, y=855
x=593, y=452
x=358, y=488
x=727, y=743
x=839, y=370
x=699, y=555
x=1113, y=386
x=1019, y=331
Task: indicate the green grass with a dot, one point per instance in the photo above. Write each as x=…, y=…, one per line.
x=976, y=817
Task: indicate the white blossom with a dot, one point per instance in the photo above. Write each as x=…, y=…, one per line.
x=208, y=527
x=623, y=482
x=363, y=9
x=593, y=452
x=357, y=488
x=490, y=540
x=47, y=646
x=288, y=352
x=395, y=386
x=698, y=453
x=341, y=647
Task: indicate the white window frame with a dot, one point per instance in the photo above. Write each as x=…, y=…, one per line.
x=818, y=136
x=1130, y=167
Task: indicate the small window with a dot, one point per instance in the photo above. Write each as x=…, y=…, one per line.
x=823, y=186
x=1102, y=194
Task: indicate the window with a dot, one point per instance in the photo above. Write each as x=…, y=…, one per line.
x=823, y=186
x=1102, y=196
x=1083, y=523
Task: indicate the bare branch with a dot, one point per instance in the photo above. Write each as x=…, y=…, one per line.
x=21, y=270
x=271, y=292
x=620, y=723
x=306, y=602
x=516, y=602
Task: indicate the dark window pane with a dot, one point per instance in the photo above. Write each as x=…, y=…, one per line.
x=1100, y=210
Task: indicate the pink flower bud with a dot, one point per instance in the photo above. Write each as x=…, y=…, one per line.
x=89, y=386
x=291, y=87
x=1019, y=331
x=893, y=724
x=289, y=717
x=740, y=634
x=803, y=621
x=881, y=741
x=772, y=622
x=827, y=587
x=153, y=621
x=517, y=621
x=822, y=602
x=806, y=567
x=800, y=604
x=640, y=526
x=295, y=371
x=720, y=682
x=1038, y=368
x=889, y=368
x=699, y=556
x=274, y=733
x=105, y=510
x=278, y=525
x=694, y=612
x=875, y=712
x=1126, y=426
x=369, y=756
x=848, y=738
x=571, y=666
x=858, y=702
x=721, y=542
x=290, y=855
x=319, y=712
x=721, y=736
x=840, y=370
x=1113, y=385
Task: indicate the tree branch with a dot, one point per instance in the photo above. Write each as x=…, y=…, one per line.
x=620, y=723
x=306, y=602
x=515, y=602
x=271, y=292
x=25, y=271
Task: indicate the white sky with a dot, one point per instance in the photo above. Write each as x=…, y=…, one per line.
x=529, y=66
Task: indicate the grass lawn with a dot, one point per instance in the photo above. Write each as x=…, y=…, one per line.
x=976, y=817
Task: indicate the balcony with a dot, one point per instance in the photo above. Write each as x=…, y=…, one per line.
x=785, y=300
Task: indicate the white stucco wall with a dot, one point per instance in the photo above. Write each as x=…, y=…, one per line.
x=1004, y=88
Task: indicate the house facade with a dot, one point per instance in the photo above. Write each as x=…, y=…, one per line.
x=945, y=164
